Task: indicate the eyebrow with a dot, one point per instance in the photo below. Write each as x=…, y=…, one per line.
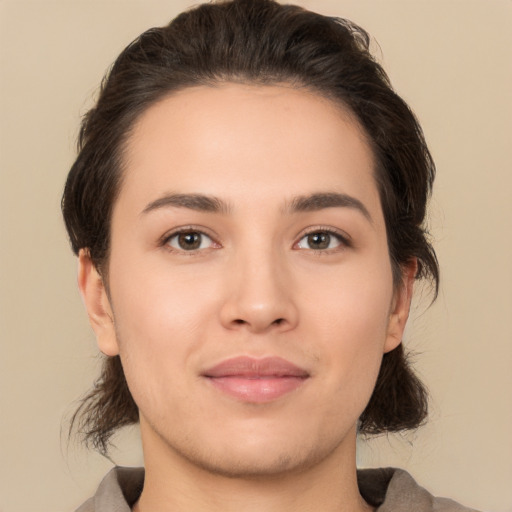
x=308, y=203
x=321, y=200
x=199, y=202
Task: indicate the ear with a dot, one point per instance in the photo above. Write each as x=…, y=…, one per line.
x=401, y=306
x=97, y=304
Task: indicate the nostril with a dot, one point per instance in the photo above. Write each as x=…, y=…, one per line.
x=279, y=321
x=239, y=321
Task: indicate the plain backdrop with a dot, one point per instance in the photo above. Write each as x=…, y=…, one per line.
x=450, y=59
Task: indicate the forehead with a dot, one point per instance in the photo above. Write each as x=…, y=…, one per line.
x=266, y=142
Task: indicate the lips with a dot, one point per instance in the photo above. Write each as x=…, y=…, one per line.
x=256, y=380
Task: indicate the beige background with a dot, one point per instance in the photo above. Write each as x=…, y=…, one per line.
x=449, y=58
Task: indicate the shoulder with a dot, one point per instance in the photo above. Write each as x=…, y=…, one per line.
x=389, y=489
x=394, y=490
x=88, y=506
x=117, y=492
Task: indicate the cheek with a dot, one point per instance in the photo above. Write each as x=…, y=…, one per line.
x=161, y=323
x=158, y=302
x=355, y=299
x=349, y=317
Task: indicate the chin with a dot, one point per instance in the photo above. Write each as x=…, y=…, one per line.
x=257, y=456
x=256, y=446
x=240, y=462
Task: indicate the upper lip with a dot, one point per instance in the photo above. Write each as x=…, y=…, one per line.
x=250, y=367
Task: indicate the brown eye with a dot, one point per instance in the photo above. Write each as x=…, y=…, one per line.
x=321, y=241
x=189, y=241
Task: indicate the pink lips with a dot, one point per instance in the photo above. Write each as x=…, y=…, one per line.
x=256, y=380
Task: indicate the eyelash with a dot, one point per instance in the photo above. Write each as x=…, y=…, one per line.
x=166, y=239
x=342, y=238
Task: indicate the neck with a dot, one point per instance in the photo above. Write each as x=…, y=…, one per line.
x=173, y=483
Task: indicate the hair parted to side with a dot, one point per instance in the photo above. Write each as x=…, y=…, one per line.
x=258, y=42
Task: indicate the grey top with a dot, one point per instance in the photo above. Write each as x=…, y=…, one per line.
x=391, y=490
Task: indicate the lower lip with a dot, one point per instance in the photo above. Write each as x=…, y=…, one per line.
x=256, y=390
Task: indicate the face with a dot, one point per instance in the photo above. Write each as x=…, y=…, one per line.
x=250, y=289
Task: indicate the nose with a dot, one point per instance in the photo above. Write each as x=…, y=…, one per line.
x=260, y=296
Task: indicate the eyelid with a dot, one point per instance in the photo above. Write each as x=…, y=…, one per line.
x=344, y=238
x=164, y=239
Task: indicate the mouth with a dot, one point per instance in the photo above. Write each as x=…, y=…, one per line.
x=255, y=380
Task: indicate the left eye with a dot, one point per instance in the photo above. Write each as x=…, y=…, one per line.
x=320, y=241
x=189, y=241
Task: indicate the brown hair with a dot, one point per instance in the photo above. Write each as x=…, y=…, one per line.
x=258, y=42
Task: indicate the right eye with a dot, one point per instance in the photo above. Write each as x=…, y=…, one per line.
x=189, y=241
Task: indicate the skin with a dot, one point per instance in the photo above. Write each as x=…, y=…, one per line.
x=257, y=286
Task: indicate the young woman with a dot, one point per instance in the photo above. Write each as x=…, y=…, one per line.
x=248, y=210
